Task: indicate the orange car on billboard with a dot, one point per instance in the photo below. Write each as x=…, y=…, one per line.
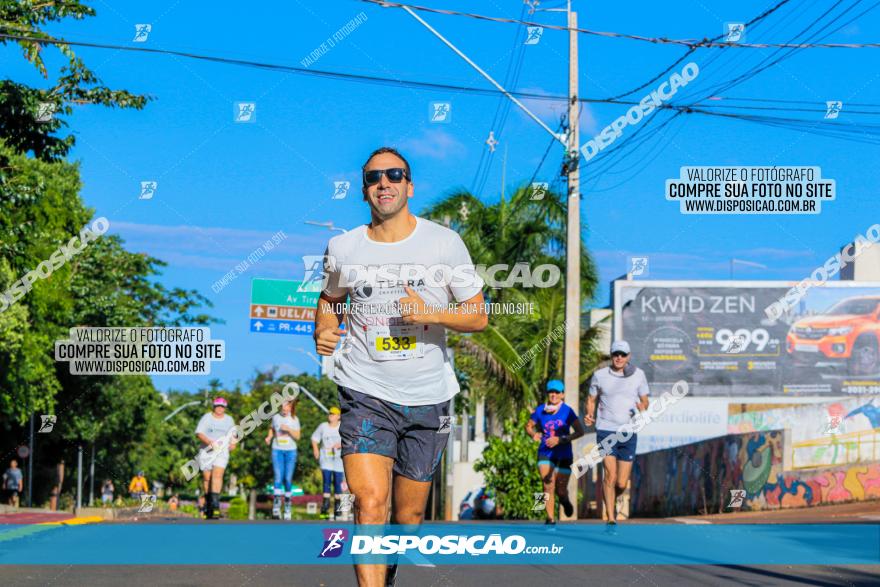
x=848, y=334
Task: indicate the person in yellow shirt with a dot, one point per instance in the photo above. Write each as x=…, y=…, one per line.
x=138, y=486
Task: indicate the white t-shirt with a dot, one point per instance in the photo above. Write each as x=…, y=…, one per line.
x=282, y=440
x=618, y=396
x=215, y=428
x=327, y=437
x=380, y=356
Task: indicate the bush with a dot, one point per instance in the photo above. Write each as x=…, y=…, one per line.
x=313, y=482
x=509, y=466
x=238, y=509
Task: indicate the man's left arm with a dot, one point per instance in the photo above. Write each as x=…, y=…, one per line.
x=643, y=393
x=468, y=316
x=465, y=288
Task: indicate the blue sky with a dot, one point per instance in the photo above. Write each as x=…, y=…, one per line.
x=224, y=188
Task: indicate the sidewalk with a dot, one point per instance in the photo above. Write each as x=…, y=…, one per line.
x=862, y=512
x=24, y=516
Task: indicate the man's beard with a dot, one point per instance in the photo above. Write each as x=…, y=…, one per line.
x=386, y=213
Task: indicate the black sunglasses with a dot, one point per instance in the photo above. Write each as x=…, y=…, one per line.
x=619, y=354
x=394, y=175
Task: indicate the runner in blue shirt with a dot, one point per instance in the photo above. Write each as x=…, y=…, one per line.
x=551, y=424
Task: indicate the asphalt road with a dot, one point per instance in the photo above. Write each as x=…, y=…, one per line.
x=457, y=576
x=484, y=575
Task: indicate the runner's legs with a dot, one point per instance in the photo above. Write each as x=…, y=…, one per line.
x=562, y=487
x=289, y=469
x=548, y=478
x=277, y=470
x=369, y=480
x=624, y=469
x=277, y=481
x=217, y=479
x=410, y=498
x=609, y=484
x=337, y=483
x=206, y=483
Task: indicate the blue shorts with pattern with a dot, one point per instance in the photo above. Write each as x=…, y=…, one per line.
x=414, y=436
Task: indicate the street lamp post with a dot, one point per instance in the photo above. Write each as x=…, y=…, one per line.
x=328, y=225
x=316, y=360
x=183, y=407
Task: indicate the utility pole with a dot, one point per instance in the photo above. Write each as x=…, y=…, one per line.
x=573, y=242
x=573, y=226
x=79, y=484
x=92, y=477
x=31, y=460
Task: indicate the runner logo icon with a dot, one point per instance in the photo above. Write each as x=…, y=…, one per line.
x=540, y=502
x=737, y=497
x=334, y=539
x=47, y=423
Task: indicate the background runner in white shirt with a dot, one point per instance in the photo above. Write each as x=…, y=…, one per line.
x=327, y=448
x=621, y=389
x=282, y=437
x=215, y=432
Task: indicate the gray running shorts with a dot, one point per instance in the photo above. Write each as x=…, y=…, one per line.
x=414, y=436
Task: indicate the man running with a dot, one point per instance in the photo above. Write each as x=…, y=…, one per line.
x=621, y=389
x=327, y=448
x=283, y=434
x=550, y=425
x=215, y=433
x=394, y=375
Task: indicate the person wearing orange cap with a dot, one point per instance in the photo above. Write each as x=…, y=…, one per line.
x=327, y=448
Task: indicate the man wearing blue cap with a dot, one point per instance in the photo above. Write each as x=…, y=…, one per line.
x=551, y=424
x=620, y=390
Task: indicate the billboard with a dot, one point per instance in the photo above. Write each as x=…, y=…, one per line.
x=690, y=420
x=718, y=336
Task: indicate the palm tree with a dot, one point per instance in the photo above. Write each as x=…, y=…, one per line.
x=518, y=230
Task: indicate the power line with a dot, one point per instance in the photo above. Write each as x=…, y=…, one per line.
x=364, y=78
x=617, y=149
x=617, y=153
x=692, y=43
x=755, y=71
x=691, y=50
x=511, y=78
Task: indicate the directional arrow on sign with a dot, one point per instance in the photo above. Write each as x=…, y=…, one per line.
x=258, y=311
x=258, y=326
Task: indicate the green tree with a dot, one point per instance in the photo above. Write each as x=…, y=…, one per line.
x=24, y=22
x=104, y=285
x=514, y=231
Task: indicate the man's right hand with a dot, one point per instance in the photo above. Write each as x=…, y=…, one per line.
x=327, y=339
x=589, y=420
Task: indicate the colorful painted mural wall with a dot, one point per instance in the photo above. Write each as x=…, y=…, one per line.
x=699, y=477
x=857, y=482
x=824, y=435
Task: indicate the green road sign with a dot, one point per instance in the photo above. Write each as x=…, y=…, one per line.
x=284, y=292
